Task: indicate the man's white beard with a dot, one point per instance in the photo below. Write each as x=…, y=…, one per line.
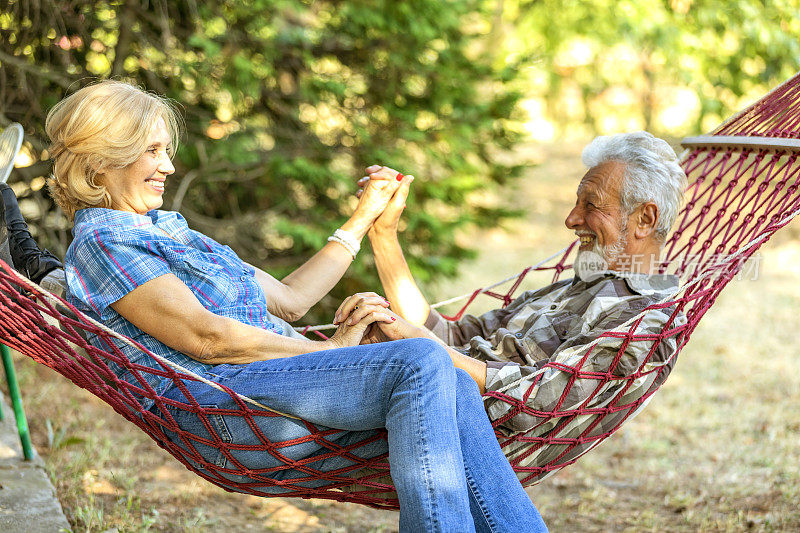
x=591, y=264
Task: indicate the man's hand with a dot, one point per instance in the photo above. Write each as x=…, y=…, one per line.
x=385, y=325
x=374, y=335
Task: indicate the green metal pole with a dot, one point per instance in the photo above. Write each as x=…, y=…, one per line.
x=16, y=404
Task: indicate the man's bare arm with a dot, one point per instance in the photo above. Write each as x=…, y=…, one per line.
x=399, y=285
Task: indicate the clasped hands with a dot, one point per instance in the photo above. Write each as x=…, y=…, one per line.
x=381, y=197
x=365, y=318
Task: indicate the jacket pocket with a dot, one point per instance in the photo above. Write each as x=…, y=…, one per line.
x=209, y=282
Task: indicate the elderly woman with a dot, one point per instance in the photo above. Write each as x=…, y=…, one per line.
x=146, y=275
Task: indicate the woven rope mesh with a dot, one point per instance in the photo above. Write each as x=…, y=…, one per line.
x=737, y=198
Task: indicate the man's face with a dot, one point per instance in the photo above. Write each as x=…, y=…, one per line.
x=597, y=217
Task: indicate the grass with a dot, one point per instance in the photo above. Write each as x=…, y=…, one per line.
x=716, y=449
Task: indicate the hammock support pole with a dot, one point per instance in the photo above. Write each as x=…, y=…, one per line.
x=16, y=404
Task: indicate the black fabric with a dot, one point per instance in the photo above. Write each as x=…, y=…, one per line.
x=17, y=247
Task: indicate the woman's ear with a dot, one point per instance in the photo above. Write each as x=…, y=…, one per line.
x=646, y=220
x=95, y=164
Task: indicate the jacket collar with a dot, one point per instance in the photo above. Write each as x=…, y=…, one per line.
x=660, y=285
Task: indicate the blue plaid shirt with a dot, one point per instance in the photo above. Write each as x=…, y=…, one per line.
x=113, y=252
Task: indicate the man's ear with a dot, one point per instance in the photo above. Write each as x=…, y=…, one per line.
x=646, y=220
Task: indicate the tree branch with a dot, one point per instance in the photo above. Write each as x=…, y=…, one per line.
x=124, y=38
x=40, y=168
x=41, y=72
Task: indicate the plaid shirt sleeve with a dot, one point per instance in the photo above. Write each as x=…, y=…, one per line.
x=459, y=332
x=106, y=265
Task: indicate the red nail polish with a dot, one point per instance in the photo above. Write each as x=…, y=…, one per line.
x=393, y=319
x=399, y=177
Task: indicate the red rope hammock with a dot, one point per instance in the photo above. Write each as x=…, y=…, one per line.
x=741, y=193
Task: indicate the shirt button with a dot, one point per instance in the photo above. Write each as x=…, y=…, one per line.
x=552, y=307
x=518, y=335
x=243, y=278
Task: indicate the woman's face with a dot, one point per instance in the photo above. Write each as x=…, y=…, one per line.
x=139, y=187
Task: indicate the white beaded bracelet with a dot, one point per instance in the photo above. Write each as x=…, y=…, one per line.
x=346, y=239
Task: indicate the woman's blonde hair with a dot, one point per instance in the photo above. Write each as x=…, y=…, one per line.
x=103, y=126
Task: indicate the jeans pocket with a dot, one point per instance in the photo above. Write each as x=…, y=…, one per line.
x=194, y=424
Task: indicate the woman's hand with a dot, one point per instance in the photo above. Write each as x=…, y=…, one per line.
x=389, y=219
x=355, y=301
x=294, y=295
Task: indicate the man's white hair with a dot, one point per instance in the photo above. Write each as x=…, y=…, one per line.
x=652, y=173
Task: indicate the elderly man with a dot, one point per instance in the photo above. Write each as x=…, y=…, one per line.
x=625, y=206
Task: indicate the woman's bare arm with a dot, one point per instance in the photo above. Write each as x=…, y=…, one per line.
x=292, y=297
x=166, y=309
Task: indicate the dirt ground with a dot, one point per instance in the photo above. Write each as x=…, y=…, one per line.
x=716, y=450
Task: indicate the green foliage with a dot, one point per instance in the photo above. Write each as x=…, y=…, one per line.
x=285, y=103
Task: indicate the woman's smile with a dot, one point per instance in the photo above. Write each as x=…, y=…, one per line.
x=156, y=184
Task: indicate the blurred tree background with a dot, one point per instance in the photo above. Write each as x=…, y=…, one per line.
x=286, y=101
x=672, y=67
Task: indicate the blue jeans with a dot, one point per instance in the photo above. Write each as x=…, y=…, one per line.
x=445, y=462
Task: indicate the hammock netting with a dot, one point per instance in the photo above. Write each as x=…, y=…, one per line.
x=743, y=188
